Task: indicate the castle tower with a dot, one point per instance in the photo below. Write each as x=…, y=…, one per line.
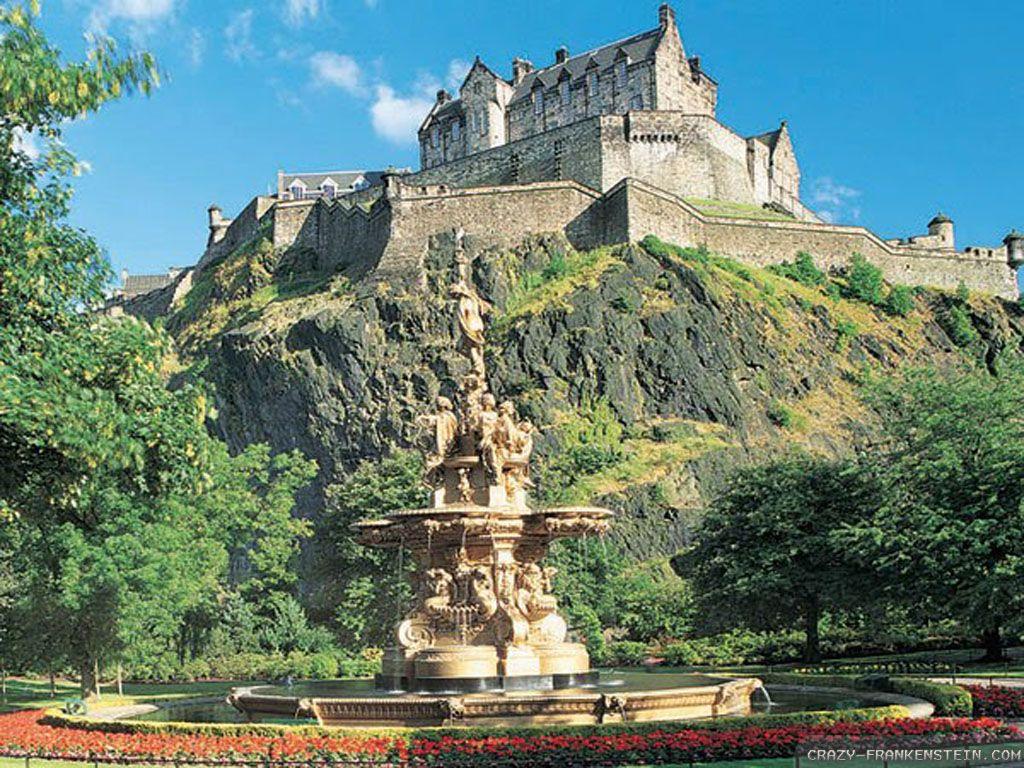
x=1014, y=243
x=942, y=227
x=217, y=223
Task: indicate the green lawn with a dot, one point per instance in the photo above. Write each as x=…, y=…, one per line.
x=33, y=693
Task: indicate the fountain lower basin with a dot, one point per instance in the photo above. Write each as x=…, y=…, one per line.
x=639, y=698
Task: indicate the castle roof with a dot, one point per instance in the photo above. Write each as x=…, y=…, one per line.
x=940, y=218
x=344, y=179
x=639, y=47
x=136, y=285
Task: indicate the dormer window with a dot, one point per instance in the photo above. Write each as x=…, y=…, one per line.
x=360, y=183
x=296, y=190
x=621, y=73
x=564, y=93
x=328, y=189
x=538, y=100
x=435, y=136
x=456, y=130
x=592, y=83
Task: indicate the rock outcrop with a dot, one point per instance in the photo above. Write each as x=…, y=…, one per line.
x=692, y=362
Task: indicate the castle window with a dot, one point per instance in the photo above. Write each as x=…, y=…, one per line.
x=328, y=190
x=472, y=122
x=456, y=130
x=481, y=122
x=621, y=73
x=296, y=190
x=538, y=100
x=592, y=83
x=435, y=136
x=564, y=92
x=637, y=102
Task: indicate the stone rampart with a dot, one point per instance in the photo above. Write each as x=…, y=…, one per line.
x=635, y=209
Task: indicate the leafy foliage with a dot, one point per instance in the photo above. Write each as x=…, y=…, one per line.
x=864, y=281
x=766, y=553
x=119, y=510
x=946, y=536
x=365, y=590
x=802, y=270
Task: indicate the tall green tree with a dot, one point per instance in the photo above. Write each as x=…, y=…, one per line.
x=119, y=509
x=949, y=534
x=766, y=554
x=363, y=590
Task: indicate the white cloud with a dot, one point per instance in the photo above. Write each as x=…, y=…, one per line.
x=27, y=144
x=238, y=34
x=140, y=14
x=457, y=70
x=196, y=48
x=336, y=70
x=837, y=201
x=395, y=117
x=297, y=12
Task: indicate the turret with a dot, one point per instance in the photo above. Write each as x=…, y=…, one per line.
x=217, y=223
x=1014, y=243
x=561, y=55
x=942, y=227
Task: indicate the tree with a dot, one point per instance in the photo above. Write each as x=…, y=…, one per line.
x=864, y=281
x=118, y=507
x=950, y=531
x=766, y=554
x=365, y=590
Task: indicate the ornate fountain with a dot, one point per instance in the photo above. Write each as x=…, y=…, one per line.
x=484, y=616
x=484, y=642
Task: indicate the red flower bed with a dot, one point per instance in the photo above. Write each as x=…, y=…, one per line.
x=697, y=745
x=22, y=733
x=997, y=701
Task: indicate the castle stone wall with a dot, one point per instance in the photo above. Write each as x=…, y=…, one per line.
x=496, y=216
x=572, y=152
x=241, y=229
x=652, y=211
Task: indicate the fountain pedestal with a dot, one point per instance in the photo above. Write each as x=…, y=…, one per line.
x=484, y=616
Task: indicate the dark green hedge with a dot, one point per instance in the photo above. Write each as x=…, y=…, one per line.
x=949, y=700
x=56, y=718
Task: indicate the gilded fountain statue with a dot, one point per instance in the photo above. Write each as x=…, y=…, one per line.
x=484, y=617
x=484, y=642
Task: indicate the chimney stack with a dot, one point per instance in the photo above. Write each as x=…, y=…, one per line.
x=561, y=55
x=520, y=69
x=442, y=96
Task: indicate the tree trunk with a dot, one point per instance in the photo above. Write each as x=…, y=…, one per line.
x=53, y=684
x=3, y=685
x=120, y=681
x=90, y=673
x=812, y=617
x=993, y=641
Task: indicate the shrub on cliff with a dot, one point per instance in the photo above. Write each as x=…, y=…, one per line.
x=864, y=281
x=900, y=300
x=802, y=270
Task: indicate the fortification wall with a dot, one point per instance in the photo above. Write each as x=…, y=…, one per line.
x=572, y=152
x=493, y=216
x=241, y=229
x=652, y=211
x=393, y=236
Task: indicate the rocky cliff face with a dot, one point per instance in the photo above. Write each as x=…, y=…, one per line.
x=648, y=371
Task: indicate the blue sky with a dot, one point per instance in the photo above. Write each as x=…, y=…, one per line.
x=897, y=108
